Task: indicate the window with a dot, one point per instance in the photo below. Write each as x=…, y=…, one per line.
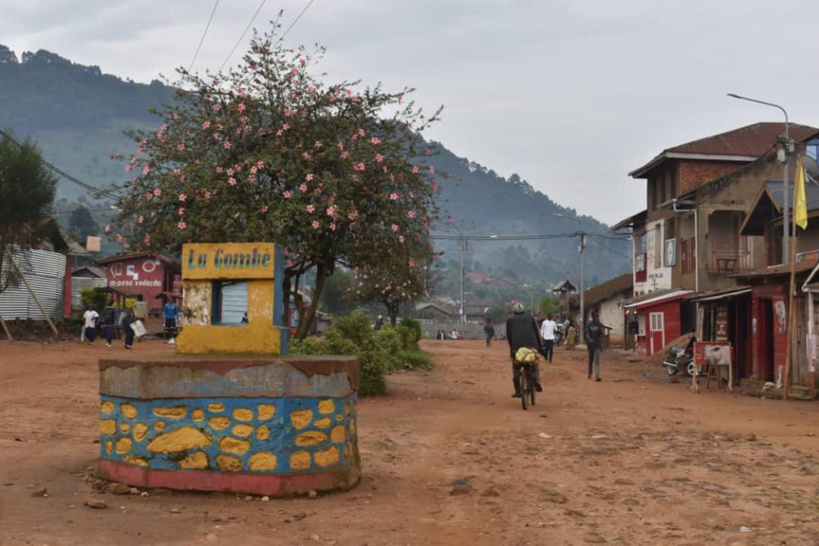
x=812, y=149
x=656, y=320
x=116, y=269
x=229, y=303
x=670, y=252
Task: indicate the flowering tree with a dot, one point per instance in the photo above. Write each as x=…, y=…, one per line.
x=403, y=277
x=267, y=152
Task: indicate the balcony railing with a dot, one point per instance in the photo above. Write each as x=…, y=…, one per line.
x=728, y=259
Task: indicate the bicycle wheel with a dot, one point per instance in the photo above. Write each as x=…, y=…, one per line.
x=532, y=388
x=525, y=387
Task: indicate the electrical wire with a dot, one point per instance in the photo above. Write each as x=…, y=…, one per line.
x=87, y=187
x=242, y=37
x=611, y=249
x=522, y=237
x=296, y=20
x=202, y=40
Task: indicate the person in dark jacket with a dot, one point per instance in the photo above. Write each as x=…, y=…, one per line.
x=127, y=321
x=108, y=320
x=522, y=331
x=594, y=343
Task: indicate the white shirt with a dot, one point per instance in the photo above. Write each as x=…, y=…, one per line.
x=547, y=330
x=90, y=317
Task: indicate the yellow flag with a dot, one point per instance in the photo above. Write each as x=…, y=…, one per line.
x=800, y=204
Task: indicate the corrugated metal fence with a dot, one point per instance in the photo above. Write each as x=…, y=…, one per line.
x=45, y=272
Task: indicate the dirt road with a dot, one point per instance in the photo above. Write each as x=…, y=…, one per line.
x=630, y=460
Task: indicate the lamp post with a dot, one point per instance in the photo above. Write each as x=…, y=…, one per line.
x=786, y=147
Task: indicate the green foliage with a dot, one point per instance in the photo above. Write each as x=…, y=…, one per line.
x=549, y=304
x=96, y=300
x=335, y=296
x=82, y=224
x=26, y=196
x=381, y=352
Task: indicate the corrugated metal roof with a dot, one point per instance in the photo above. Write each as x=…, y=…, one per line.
x=45, y=273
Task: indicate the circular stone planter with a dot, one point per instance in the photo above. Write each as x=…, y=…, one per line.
x=256, y=425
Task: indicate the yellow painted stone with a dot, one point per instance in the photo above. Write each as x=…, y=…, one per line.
x=140, y=430
x=107, y=407
x=262, y=433
x=109, y=447
x=352, y=427
x=229, y=463
x=339, y=433
x=243, y=431
x=327, y=457
x=339, y=417
x=216, y=407
x=128, y=411
x=324, y=422
x=124, y=428
x=262, y=460
x=242, y=414
x=108, y=426
x=197, y=415
x=301, y=418
x=138, y=461
x=173, y=412
x=195, y=461
x=311, y=438
x=347, y=409
x=160, y=425
x=233, y=445
x=266, y=411
x=219, y=423
x=180, y=439
x=300, y=460
x=326, y=406
x=123, y=445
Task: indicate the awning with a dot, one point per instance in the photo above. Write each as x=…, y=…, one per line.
x=648, y=300
x=722, y=294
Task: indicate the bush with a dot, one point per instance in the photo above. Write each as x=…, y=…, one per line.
x=386, y=350
x=96, y=300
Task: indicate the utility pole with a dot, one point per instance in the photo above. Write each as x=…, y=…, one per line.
x=582, y=250
x=461, y=249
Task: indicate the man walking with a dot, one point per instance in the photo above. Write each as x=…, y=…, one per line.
x=171, y=315
x=594, y=343
x=547, y=332
x=90, y=324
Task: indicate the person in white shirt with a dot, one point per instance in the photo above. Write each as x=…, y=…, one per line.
x=547, y=332
x=90, y=316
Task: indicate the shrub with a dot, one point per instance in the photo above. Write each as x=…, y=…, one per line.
x=96, y=300
x=416, y=359
x=414, y=327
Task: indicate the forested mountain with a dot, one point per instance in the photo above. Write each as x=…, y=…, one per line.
x=78, y=115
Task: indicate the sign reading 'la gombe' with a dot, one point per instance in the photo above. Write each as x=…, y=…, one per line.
x=228, y=261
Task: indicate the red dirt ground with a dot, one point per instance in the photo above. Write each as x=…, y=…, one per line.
x=633, y=459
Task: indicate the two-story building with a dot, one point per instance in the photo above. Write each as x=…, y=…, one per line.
x=686, y=242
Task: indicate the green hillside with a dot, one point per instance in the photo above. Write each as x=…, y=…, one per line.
x=78, y=115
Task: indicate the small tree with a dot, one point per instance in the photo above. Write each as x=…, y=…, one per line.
x=26, y=195
x=268, y=152
x=82, y=224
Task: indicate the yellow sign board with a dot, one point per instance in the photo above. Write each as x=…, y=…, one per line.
x=228, y=261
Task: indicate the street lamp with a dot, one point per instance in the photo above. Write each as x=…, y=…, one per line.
x=786, y=147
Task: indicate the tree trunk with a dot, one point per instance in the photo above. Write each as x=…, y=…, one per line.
x=392, y=311
x=322, y=272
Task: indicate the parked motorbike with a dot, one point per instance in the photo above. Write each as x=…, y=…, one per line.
x=680, y=359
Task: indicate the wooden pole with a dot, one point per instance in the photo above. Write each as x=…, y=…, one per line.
x=6, y=328
x=791, y=314
x=36, y=300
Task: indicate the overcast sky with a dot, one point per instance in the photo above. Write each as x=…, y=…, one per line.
x=569, y=94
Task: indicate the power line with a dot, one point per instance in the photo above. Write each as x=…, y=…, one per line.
x=296, y=20
x=243, y=35
x=521, y=237
x=202, y=40
x=609, y=248
x=64, y=174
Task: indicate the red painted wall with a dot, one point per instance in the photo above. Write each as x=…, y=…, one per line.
x=143, y=276
x=671, y=322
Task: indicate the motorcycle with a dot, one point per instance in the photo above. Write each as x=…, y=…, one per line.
x=680, y=359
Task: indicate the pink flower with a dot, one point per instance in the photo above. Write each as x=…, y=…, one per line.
x=361, y=132
x=345, y=155
x=264, y=208
x=182, y=197
x=395, y=227
x=232, y=181
x=393, y=196
x=375, y=140
x=259, y=164
x=340, y=145
x=107, y=229
x=227, y=145
x=147, y=239
x=181, y=211
x=146, y=169
x=181, y=225
x=410, y=214
x=415, y=169
x=219, y=170
x=157, y=192
x=140, y=220
x=379, y=158
x=303, y=188
x=206, y=125
x=180, y=147
x=331, y=211
x=241, y=107
x=288, y=112
x=309, y=177
x=207, y=194
x=310, y=208
x=332, y=226
x=315, y=224
x=431, y=169
x=287, y=194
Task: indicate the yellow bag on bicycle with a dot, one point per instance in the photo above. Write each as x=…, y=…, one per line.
x=525, y=355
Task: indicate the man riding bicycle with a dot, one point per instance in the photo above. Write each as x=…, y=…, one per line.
x=522, y=331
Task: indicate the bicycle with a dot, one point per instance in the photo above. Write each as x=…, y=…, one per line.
x=527, y=384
